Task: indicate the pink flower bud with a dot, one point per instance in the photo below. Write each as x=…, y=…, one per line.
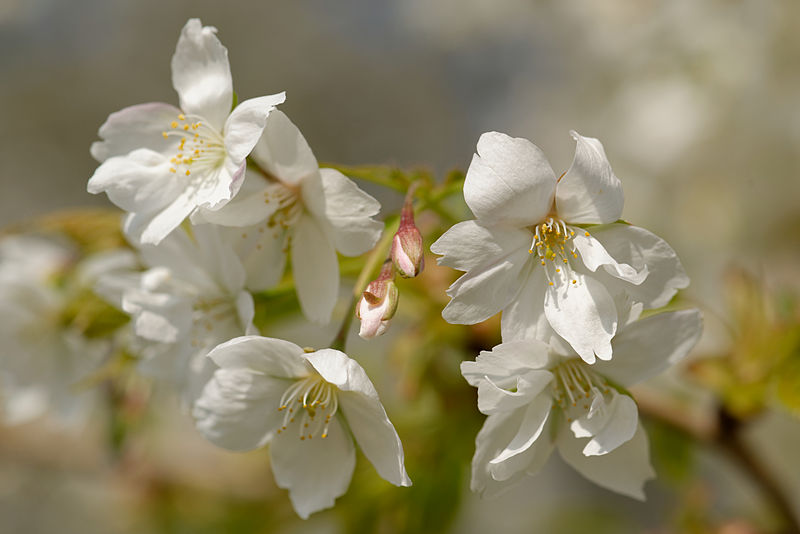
x=378, y=304
x=407, y=251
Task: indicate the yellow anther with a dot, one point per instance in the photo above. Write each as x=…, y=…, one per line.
x=542, y=262
x=182, y=117
x=302, y=438
x=198, y=135
x=324, y=436
x=187, y=172
x=172, y=170
x=565, y=260
x=558, y=270
x=174, y=124
x=165, y=135
x=574, y=281
x=530, y=251
x=586, y=234
x=185, y=127
x=551, y=283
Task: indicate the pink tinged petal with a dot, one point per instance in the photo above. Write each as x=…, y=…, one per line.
x=583, y=314
x=283, y=151
x=315, y=471
x=493, y=399
x=506, y=361
x=589, y=193
x=608, y=424
x=316, y=270
x=269, y=356
x=348, y=211
x=372, y=322
x=594, y=255
x=646, y=347
x=375, y=434
x=643, y=249
x=469, y=244
x=623, y=470
x=245, y=124
x=238, y=409
x=201, y=74
x=135, y=127
x=485, y=290
x=530, y=429
x=138, y=182
x=509, y=181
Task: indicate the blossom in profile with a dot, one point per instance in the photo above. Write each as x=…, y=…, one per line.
x=291, y=206
x=161, y=163
x=549, y=252
x=310, y=407
x=542, y=396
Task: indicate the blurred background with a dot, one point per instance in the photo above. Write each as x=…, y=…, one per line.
x=696, y=103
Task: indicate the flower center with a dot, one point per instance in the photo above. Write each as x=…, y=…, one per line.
x=552, y=241
x=201, y=147
x=289, y=205
x=575, y=383
x=315, y=401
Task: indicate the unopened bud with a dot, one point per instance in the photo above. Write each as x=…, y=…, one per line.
x=378, y=304
x=407, y=251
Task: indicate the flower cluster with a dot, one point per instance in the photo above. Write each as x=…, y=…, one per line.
x=570, y=278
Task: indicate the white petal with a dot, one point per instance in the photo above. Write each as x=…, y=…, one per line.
x=139, y=181
x=162, y=223
x=506, y=361
x=375, y=434
x=583, y=314
x=283, y=151
x=493, y=399
x=215, y=187
x=496, y=433
x=530, y=429
x=262, y=250
x=251, y=205
x=609, y=424
x=589, y=193
x=201, y=74
x=485, y=290
x=158, y=316
x=218, y=258
x=624, y=470
x=642, y=249
x=594, y=255
x=348, y=210
x=269, y=356
x=316, y=270
x=524, y=318
x=648, y=346
x=315, y=471
x=238, y=409
x=245, y=124
x=509, y=181
x=468, y=244
x=135, y=127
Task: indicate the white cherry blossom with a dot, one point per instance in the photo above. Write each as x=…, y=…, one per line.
x=548, y=251
x=161, y=163
x=293, y=206
x=190, y=299
x=539, y=397
x=309, y=406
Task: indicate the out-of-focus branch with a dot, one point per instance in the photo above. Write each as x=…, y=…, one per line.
x=724, y=432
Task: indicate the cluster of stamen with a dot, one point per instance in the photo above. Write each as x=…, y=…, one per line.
x=552, y=241
x=200, y=146
x=575, y=384
x=315, y=401
x=289, y=205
